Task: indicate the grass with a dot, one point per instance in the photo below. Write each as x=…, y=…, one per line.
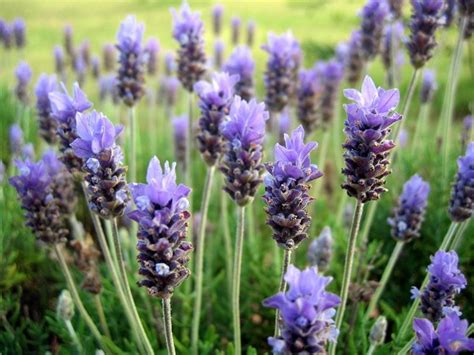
x=30, y=281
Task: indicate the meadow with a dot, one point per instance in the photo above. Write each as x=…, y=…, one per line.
x=31, y=278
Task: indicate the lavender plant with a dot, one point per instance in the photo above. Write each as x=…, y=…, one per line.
x=217, y=13
x=320, y=251
x=309, y=92
x=235, y=25
x=373, y=16
x=219, y=48
x=47, y=124
x=355, y=62
x=23, y=75
x=242, y=64
x=19, y=32
x=152, y=49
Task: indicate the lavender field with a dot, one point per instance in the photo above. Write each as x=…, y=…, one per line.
x=200, y=177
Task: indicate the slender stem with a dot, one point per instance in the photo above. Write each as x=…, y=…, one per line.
x=322, y=160
x=73, y=335
x=227, y=239
x=100, y=312
x=239, y=239
x=371, y=349
x=189, y=145
x=458, y=236
x=126, y=288
x=406, y=349
x=133, y=145
x=385, y=277
x=282, y=288
x=349, y=260
x=470, y=330
x=414, y=307
x=200, y=259
x=420, y=126
x=168, y=326
x=110, y=240
x=75, y=295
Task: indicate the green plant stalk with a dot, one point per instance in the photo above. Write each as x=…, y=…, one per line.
x=406, y=349
x=200, y=259
x=227, y=239
x=126, y=288
x=101, y=314
x=385, y=277
x=75, y=295
x=188, y=165
x=340, y=208
x=239, y=239
x=321, y=161
x=110, y=240
x=372, y=348
x=336, y=131
x=168, y=325
x=470, y=330
x=133, y=145
x=349, y=261
x=448, y=101
x=421, y=124
x=459, y=234
x=414, y=307
x=73, y=335
x=282, y=288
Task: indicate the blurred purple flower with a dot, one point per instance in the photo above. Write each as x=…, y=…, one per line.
x=309, y=93
x=373, y=17
x=15, y=135
x=217, y=12
x=428, y=86
x=109, y=56
x=23, y=75
x=219, y=48
x=461, y=205
x=332, y=73
x=19, y=32
x=235, y=24
x=95, y=66
x=355, y=63
x=152, y=50
x=321, y=249
x=250, y=33
x=242, y=64
x=59, y=61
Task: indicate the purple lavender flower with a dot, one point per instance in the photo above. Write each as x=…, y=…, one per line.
x=282, y=70
x=367, y=149
x=235, y=23
x=309, y=93
x=449, y=338
x=170, y=63
x=250, y=33
x=466, y=9
x=109, y=57
x=28, y=152
x=219, y=48
x=19, y=30
x=287, y=190
x=373, y=17
x=34, y=188
x=396, y=7
x=15, y=135
x=403, y=136
x=108, y=88
x=85, y=52
x=59, y=62
x=64, y=109
x=152, y=49
x=47, y=124
x=7, y=35
x=342, y=53
x=446, y=281
x=169, y=90
x=217, y=12
x=215, y=99
x=307, y=311
x=284, y=125
x=391, y=47
x=68, y=41
x=180, y=130
x=95, y=66
x=468, y=122
x=3, y=26
x=428, y=86
x=130, y=74
x=423, y=24
x=321, y=249
x=332, y=73
x=80, y=68
x=461, y=205
x=355, y=62
x=188, y=30
x=103, y=163
x=242, y=64
x=23, y=75
x=244, y=132
x=410, y=212
x=162, y=215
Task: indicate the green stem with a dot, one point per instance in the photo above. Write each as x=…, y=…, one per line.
x=126, y=288
x=371, y=349
x=420, y=126
x=321, y=161
x=282, y=287
x=133, y=145
x=458, y=237
x=75, y=295
x=110, y=240
x=470, y=330
x=189, y=145
x=406, y=349
x=168, y=326
x=385, y=277
x=227, y=239
x=200, y=259
x=414, y=307
x=101, y=314
x=349, y=260
x=73, y=335
x=239, y=239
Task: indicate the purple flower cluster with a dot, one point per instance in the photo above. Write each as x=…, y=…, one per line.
x=219, y=48
x=332, y=73
x=15, y=136
x=130, y=75
x=321, y=249
x=250, y=33
x=152, y=49
x=188, y=31
x=410, y=212
x=217, y=13
x=235, y=24
x=287, y=190
x=368, y=124
x=23, y=75
x=281, y=74
x=242, y=64
x=162, y=214
x=59, y=61
x=19, y=32
x=450, y=337
x=461, y=205
x=6, y=34
x=372, y=26
x=428, y=86
x=215, y=99
x=64, y=109
x=108, y=88
x=244, y=132
x=392, y=56
x=108, y=57
x=355, y=63
x=396, y=7
x=446, y=281
x=307, y=312
x=424, y=22
x=105, y=174
x=47, y=124
x=308, y=93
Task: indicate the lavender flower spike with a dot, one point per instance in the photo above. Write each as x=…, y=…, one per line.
x=332, y=74
x=64, y=109
x=461, y=205
x=367, y=149
x=152, y=49
x=308, y=93
x=244, y=132
x=180, y=130
x=250, y=33
x=242, y=64
x=235, y=23
x=23, y=76
x=108, y=56
x=219, y=48
x=411, y=209
x=287, y=190
x=105, y=173
x=130, y=73
x=449, y=338
x=15, y=136
x=355, y=63
x=307, y=311
x=217, y=13
x=47, y=124
x=162, y=215
x=423, y=24
x=188, y=30
x=215, y=99
x=428, y=86
x=321, y=249
x=59, y=61
x=19, y=29
x=373, y=17
x=446, y=281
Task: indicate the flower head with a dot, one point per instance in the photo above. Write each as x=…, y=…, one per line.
x=235, y=23
x=355, y=63
x=242, y=64
x=15, y=136
x=321, y=249
x=180, y=130
x=373, y=17
x=309, y=92
x=130, y=35
x=19, y=29
x=187, y=25
x=109, y=56
x=64, y=107
x=428, y=86
x=152, y=49
x=47, y=124
x=217, y=12
x=461, y=205
x=23, y=75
